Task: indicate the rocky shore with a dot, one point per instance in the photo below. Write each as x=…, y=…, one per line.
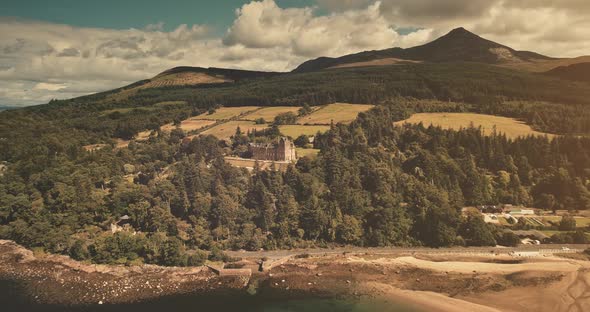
x=425, y=281
x=55, y=279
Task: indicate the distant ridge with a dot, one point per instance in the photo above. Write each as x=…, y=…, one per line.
x=231, y=74
x=575, y=72
x=3, y=108
x=459, y=45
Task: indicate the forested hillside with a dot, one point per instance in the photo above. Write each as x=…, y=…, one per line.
x=373, y=184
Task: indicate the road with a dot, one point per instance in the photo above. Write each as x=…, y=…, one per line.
x=547, y=248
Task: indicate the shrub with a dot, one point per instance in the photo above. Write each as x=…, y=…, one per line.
x=568, y=223
x=285, y=119
x=197, y=259
x=508, y=239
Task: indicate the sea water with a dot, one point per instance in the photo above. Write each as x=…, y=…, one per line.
x=13, y=299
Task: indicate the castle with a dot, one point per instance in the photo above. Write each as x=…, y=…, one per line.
x=284, y=150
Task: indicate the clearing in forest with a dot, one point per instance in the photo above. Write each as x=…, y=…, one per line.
x=307, y=152
x=337, y=112
x=226, y=130
x=294, y=131
x=188, y=125
x=269, y=113
x=182, y=79
x=511, y=127
x=224, y=113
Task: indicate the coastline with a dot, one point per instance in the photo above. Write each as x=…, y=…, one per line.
x=425, y=282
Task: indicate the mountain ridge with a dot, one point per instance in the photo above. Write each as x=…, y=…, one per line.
x=459, y=45
x=574, y=72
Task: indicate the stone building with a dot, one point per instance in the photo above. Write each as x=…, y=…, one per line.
x=283, y=150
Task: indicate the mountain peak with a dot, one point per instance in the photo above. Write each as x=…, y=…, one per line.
x=460, y=30
x=464, y=34
x=459, y=45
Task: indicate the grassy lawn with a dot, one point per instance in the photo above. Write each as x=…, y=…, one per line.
x=228, y=129
x=580, y=221
x=337, y=112
x=550, y=233
x=294, y=131
x=309, y=152
x=269, y=113
x=512, y=128
x=224, y=113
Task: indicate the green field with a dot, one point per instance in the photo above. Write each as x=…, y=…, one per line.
x=294, y=131
x=307, y=152
x=337, y=112
x=580, y=221
x=269, y=113
x=224, y=113
x=226, y=130
x=511, y=127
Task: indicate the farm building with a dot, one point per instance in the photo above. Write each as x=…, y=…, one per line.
x=284, y=150
x=521, y=212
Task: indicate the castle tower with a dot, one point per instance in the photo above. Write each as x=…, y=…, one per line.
x=284, y=150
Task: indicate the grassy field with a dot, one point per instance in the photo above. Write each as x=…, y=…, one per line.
x=224, y=113
x=296, y=130
x=512, y=128
x=309, y=152
x=189, y=125
x=580, y=221
x=269, y=113
x=337, y=112
x=226, y=130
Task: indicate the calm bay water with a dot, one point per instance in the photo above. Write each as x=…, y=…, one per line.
x=12, y=299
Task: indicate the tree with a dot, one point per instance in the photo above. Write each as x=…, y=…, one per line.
x=172, y=253
x=285, y=119
x=567, y=223
x=349, y=231
x=476, y=232
x=508, y=239
x=301, y=141
x=546, y=201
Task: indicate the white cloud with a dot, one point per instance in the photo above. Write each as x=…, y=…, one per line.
x=553, y=27
x=264, y=25
x=36, y=57
x=49, y=86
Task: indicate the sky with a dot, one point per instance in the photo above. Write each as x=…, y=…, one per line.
x=68, y=48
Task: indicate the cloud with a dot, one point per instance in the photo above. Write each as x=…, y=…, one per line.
x=49, y=86
x=552, y=27
x=263, y=24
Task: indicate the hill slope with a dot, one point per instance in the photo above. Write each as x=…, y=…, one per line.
x=575, y=72
x=459, y=45
x=186, y=76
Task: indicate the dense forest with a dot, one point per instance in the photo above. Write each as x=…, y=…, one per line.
x=373, y=184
